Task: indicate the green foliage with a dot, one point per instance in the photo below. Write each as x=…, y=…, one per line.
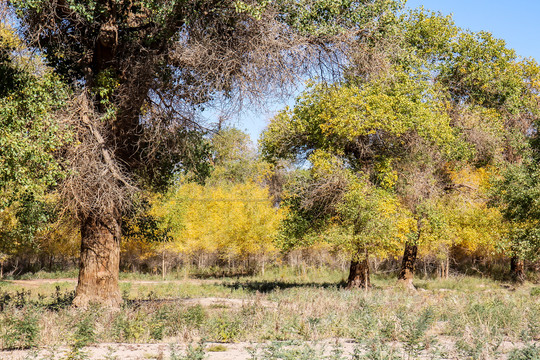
x=331, y=17
x=517, y=194
x=529, y=352
x=335, y=118
x=21, y=331
x=30, y=134
x=24, y=220
x=234, y=158
x=184, y=152
x=30, y=137
x=192, y=352
x=194, y=316
x=224, y=328
x=290, y=350
x=84, y=332
x=129, y=327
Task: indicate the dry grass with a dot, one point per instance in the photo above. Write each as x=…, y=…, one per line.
x=457, y=318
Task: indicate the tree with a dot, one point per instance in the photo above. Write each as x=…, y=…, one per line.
x=234, y=158
x=30, y=136
x=230, y=220
x=517, y=193
x=391, y=124
x=143, y=69
x=493, y=95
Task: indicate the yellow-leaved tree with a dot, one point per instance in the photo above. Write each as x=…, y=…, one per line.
x=234, y=221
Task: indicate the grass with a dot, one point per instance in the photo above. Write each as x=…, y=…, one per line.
x=462, y=317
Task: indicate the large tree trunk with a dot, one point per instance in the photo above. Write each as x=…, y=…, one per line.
x=406, y=273
x=517, y=269
x=359, y=273
x=99, y=263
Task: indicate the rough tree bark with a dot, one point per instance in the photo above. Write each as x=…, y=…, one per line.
x=406, y=273
x=99, y=262
x=359, y=272
x=517, y=269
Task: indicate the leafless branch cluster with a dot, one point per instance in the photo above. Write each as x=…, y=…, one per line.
x=96, y=184
x=156, y=74
x=250, y=60
x=321, y=197
x=371, y=57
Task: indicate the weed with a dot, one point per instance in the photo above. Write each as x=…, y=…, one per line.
x=192, y=352
x=84, y=331
x=216, y=348
x=129, y=328
x=376, y=351
x=224, y=328
x=285, y=350
x=529, y=352
x=194, y=316
x=61, y=300
x=293, y=350
x=21, y=331
x=76, y=354
x=414, y=331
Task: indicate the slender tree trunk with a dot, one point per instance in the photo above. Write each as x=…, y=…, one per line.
x=359, y=273
x=406, y=273
x=99, y=262
x=517, y=269
x=163, y=268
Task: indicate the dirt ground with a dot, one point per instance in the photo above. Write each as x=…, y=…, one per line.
x=213, y=351
x=128, y=352
x=233, y=351
x=38, y=282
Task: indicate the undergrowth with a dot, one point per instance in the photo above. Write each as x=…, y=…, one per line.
x=461, y=317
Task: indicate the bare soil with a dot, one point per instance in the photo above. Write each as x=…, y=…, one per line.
x=229, y=351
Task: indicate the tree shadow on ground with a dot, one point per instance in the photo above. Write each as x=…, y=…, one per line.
x=269, y=286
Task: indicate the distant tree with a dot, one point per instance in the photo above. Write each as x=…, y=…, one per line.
x=389, y=130
x=234, y=220
x=234, y=158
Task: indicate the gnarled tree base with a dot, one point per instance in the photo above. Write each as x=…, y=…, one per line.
x=517, y=270
x=406, y=273
x=359, y=275
x=99, y=263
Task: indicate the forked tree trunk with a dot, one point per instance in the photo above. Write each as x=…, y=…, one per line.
x=359, y=273
x=406, y=273
x=517, y=269
x=99, y=263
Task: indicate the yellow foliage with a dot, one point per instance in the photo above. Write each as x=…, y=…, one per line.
x=463, y=218
x=234, y=219
x=8, y=37
x=62, y=238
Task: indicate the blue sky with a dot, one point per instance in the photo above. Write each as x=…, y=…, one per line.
x=517, y=22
